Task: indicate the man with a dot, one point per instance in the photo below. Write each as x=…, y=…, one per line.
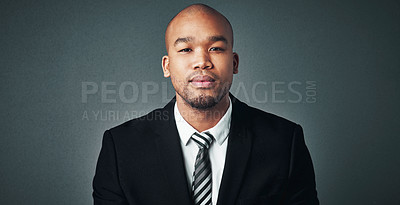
x=205, y=146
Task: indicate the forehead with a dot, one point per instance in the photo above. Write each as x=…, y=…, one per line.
x=198, y=26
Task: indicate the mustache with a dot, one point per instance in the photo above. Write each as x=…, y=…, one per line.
x=201, y=73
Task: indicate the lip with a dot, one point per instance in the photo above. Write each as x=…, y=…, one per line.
x=202, y=81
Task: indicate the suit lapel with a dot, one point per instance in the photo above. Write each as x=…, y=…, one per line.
x=238, y=152
x=171, y=157
x=172, y=163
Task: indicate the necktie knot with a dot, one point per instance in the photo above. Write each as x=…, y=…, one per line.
x=203, y=140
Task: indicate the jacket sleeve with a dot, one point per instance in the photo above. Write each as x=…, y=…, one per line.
x=106, y=186
x=301, y=188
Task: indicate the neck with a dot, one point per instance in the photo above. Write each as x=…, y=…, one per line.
x=202, y=119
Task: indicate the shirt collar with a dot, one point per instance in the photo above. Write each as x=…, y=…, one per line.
x=219, y=131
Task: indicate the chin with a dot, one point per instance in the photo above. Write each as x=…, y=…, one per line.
x=202, y=102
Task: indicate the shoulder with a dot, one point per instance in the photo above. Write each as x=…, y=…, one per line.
x=151, y=119
x=269, y=132
x=143, y=128
x=255, y=116
x=264, y=125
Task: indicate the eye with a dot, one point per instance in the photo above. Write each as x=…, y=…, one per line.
x=216, y=49
x=185, y=50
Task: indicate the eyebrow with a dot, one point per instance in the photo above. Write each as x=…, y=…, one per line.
x=183, y=40
x=211, y=38
x=218, y=38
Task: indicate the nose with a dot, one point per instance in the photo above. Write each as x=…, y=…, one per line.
x=202, y=60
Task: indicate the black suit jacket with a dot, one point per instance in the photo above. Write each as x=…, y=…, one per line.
x=267, y=162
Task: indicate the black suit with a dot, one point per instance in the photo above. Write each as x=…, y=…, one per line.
x=267, y=162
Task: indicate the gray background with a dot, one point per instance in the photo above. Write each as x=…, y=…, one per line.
x=49, y=49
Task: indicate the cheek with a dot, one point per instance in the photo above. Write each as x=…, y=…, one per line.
x=179, y=60
x=180, y=70
x=224, y=62
x=178, y=76
x=177, y=65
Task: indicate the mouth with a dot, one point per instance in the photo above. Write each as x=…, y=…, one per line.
x=203, y=81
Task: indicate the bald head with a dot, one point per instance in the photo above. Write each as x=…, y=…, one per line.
x=197, y=11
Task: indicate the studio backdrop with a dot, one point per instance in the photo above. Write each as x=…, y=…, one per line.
x=72, y=69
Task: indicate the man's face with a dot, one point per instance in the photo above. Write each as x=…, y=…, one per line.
x=200, y=59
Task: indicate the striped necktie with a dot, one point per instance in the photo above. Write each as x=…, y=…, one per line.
x=202, y=178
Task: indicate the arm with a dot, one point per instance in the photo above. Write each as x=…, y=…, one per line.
x=301, y=186
x=106, y=187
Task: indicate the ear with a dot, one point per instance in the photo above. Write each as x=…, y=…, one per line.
x=165, y=66
x=235, y=63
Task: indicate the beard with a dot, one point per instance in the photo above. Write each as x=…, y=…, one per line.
x=202, y=101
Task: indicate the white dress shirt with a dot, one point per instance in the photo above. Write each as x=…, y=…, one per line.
x=217, y=150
